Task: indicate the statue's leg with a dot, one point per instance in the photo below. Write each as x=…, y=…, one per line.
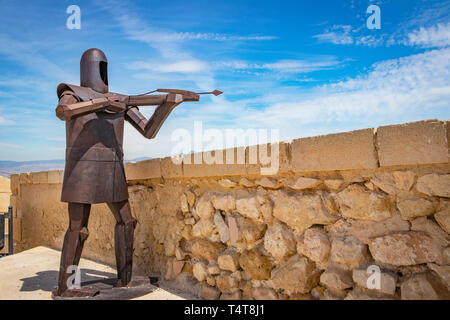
x=124, y=232
x=74, y=239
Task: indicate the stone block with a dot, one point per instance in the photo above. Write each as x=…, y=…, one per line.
x=341, y=151
x=55, y=176
x=297, y=275
x=17, y=229
x=208, y=292
x=147, y=169
x=260, y=160
x=434, y=185
x=25, y=178
x=15, y=183
x=226, y=162
x=413, y=143
x=404, y=249
x=170, y=168
x=39, y=177
x=387, y=281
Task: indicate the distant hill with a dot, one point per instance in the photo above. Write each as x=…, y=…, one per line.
x=10, y=167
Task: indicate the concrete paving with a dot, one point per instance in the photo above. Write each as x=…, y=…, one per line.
x=32, y=275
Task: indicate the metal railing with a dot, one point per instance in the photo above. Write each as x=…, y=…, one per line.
x=3, y=216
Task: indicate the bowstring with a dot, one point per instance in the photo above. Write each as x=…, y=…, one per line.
x=143, y=94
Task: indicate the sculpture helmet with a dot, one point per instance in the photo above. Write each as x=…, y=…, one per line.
x=94, y=70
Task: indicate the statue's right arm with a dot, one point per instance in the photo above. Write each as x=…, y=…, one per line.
x=70, y=107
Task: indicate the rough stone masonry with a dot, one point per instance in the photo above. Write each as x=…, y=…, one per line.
x=339, y=204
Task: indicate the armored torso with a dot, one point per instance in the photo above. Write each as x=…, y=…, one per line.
x=94, y=171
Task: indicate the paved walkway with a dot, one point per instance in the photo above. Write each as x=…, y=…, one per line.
x=32, y=275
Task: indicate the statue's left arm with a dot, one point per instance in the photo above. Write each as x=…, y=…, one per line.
x=150, y=127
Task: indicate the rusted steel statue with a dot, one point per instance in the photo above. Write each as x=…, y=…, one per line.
x=94, y=171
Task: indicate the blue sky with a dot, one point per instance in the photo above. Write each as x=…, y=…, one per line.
x=304, y=67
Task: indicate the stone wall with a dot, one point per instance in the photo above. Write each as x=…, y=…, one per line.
x=340, y=207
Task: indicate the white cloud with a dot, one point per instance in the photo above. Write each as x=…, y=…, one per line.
x=301, y=66
x=392, y=88
x=432, y=37
x=298, y=66
x=335, y=38
x=168, y=36
x=25, y=53
x=369, y=41
x=347, y=35
x=171, y=54
x=10, y=145
x=185, y=66
x=5, y=122
x=59, y=139
x=340, y=36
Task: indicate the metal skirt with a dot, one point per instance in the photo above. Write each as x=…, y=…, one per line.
x=94, y=182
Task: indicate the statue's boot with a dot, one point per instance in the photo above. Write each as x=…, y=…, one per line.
x=74, y=239
x=124, y=252
x=123, y=237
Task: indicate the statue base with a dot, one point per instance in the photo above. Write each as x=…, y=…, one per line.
x=106, y=290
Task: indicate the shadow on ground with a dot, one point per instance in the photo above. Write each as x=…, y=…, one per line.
x=47, y=280
x=101, y=281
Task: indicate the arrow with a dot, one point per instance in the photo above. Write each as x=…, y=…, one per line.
x=215, y=92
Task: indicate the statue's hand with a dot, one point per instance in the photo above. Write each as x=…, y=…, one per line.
x=117, y=104
x=191, y=96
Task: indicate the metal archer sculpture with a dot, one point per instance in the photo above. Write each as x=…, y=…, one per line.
x=94, y=170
